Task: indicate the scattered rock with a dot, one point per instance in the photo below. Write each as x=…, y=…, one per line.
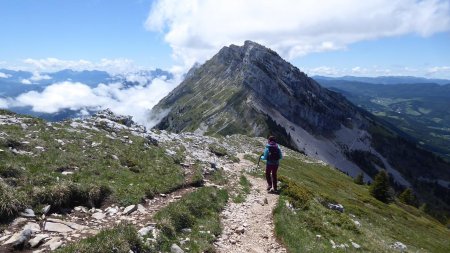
x=23, y=238
x=129, y=209
x=37, y=239
x=34, y=227
x=141, y=209
x=53, y=243
x=176, y=249
x=145, y=230
x=355, y=245
x=99, y=216
x=18, y=221
x=337, y=207
x=399, y=246
x=57, y=227
x=28, y=213
x=186, y=230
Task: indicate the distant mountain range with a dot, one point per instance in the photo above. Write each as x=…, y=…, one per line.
x=385, y=79
x=421, y=109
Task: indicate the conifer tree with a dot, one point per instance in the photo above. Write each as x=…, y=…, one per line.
x=380, y=187
x=359, y=179
x=408, y=197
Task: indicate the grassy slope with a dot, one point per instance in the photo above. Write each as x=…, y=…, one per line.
x=141, y=169
x=382, y=224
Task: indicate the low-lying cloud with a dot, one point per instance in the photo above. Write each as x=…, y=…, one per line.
x=136, y=101
x=196, y=29
x=3, y=75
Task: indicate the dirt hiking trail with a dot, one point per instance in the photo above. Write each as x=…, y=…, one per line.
x=248, y=226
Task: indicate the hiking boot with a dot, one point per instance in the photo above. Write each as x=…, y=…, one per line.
x=269, y=188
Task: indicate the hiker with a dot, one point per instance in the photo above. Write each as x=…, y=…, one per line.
x=272, y=154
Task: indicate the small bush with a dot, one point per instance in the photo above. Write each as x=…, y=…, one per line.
x=11, y=202
x=10, y=171
x=218, y=150
x=235, y=159
x=299, y=195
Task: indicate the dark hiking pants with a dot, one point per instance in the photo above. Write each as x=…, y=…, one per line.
x=271, y=175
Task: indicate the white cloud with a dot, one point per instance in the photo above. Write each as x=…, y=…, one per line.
x=196, y=29
x=439, y=69
x=25, y=81
x=135, y=100
x=323, y=70
x=3, y=75
x=54, y=64
x=38, y=77
x=3, y=103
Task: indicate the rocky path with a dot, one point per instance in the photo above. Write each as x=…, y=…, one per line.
x=50, y=233
x=248, y=226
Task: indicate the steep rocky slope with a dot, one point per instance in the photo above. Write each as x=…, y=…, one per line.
x=251, y=90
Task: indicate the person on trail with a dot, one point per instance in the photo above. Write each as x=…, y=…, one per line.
x=272, y=154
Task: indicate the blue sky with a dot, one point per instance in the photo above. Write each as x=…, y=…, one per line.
x=409, y=38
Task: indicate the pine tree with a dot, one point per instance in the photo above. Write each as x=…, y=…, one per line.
x=380, y=187
x=359, y=179
x=408, y=197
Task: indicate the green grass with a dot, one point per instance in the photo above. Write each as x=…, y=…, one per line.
x=243, y=190
x=103, y=168
x=120, y=239
x=382, y=224
x=198, y=211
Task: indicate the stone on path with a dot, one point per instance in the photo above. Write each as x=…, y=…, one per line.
x=37, y=239
x=53, y=243
x=34, y=227
x=99, y=216
x=129, y=209
x=19, y=237
x=28, y=213
x=57, y=227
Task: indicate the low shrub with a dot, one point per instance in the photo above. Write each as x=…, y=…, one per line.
x=10, y=171
x=218, y=150
x=299, y=195
x=11, y=202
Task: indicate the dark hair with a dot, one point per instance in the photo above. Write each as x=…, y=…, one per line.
x=272, y=138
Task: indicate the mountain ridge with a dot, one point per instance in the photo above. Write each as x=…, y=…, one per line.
x=252, y=90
